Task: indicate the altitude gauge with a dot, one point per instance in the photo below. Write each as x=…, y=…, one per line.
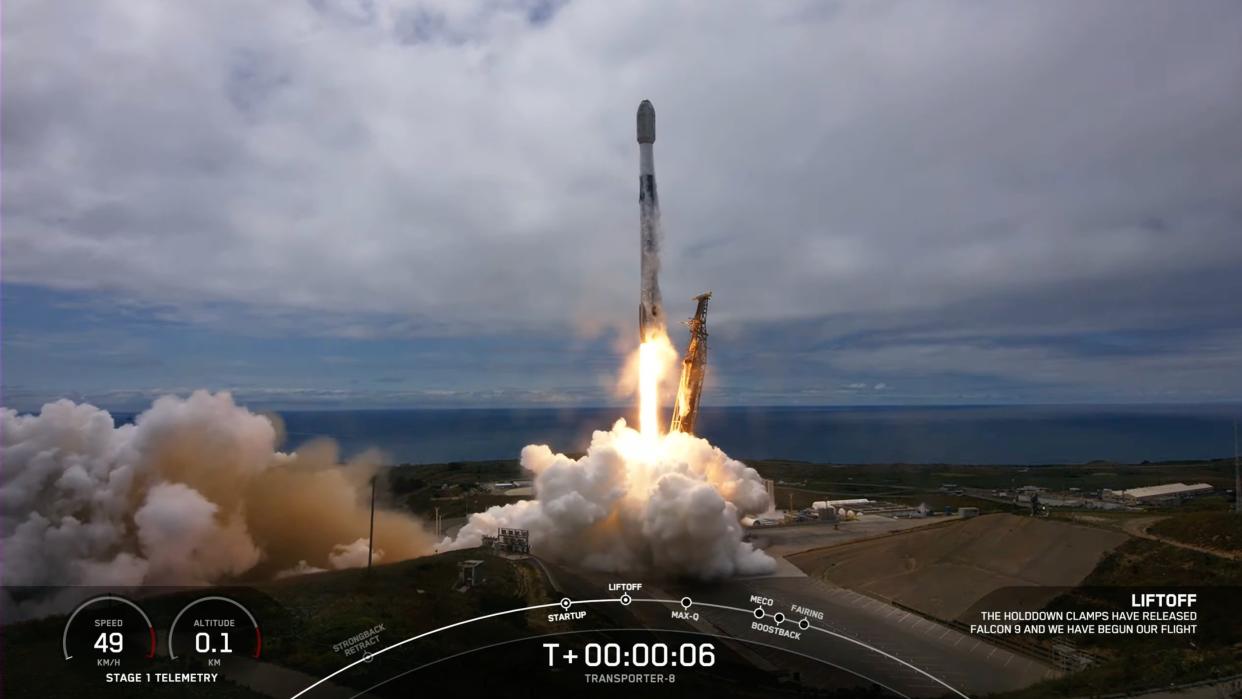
x=108, y=632
x=214, y=630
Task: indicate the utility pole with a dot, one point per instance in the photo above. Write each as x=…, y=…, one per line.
x=371, y=536
x=1237, y=475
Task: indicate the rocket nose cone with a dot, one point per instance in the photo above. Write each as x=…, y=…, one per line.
x=646, y=122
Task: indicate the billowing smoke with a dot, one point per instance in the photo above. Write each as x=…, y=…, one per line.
x=671, y=506
x=193, y=492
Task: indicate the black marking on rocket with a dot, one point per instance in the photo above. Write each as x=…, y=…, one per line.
x=647, y=191
x=650, y=202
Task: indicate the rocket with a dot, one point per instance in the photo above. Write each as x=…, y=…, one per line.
x=650, y=308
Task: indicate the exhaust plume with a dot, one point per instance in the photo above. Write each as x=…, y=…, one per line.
x=631, y=506
x=193, y=492
x=656, y=358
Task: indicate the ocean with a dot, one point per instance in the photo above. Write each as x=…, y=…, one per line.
x=853, y=435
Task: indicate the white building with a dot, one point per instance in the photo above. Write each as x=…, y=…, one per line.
x=819, y=504
x=1168, y=492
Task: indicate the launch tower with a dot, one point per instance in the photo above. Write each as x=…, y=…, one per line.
x=693, y=368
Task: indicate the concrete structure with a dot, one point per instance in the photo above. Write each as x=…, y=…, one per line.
x=513, y=540
x=968, y=512
x=506, y=486
x=468, y=573
x=946, y=570
x=1167, y=493
x=852, y=502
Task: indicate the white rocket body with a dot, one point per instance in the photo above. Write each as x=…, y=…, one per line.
x=650, y=307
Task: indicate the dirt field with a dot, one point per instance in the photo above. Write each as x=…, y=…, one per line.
x=944, y=571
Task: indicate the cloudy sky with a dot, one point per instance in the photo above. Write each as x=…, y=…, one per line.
x=374, y=203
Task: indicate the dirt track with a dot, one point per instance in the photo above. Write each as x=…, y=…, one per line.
x=944, y=571
x=1140, y=527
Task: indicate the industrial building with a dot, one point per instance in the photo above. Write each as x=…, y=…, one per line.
x=1165, y=494
x=506, y=487
x=468, y=575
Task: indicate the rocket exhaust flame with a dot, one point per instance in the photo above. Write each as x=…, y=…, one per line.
x=648, y=390
x=655, y=357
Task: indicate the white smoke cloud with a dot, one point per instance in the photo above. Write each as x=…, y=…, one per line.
x=352, y=555
x=193, y=492
x=673, y=507
x=184, y=538
x=302, y=568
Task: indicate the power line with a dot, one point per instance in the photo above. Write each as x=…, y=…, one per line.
x=1237, y=474
x=371, y=536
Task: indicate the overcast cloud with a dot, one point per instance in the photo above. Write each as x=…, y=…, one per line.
x=892, y=201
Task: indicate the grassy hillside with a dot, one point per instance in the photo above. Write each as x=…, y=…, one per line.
x=456, y=488
x=407, y=598
x=1140, y=662
x=1215, y=530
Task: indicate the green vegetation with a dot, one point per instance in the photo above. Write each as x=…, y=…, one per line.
x=456, y=488
x=1136, y=672
x=1220, y=530
x=406, y=598
x=1142, y=562
x=1134, y=662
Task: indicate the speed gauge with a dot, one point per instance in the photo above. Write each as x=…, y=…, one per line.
x=108, y=631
